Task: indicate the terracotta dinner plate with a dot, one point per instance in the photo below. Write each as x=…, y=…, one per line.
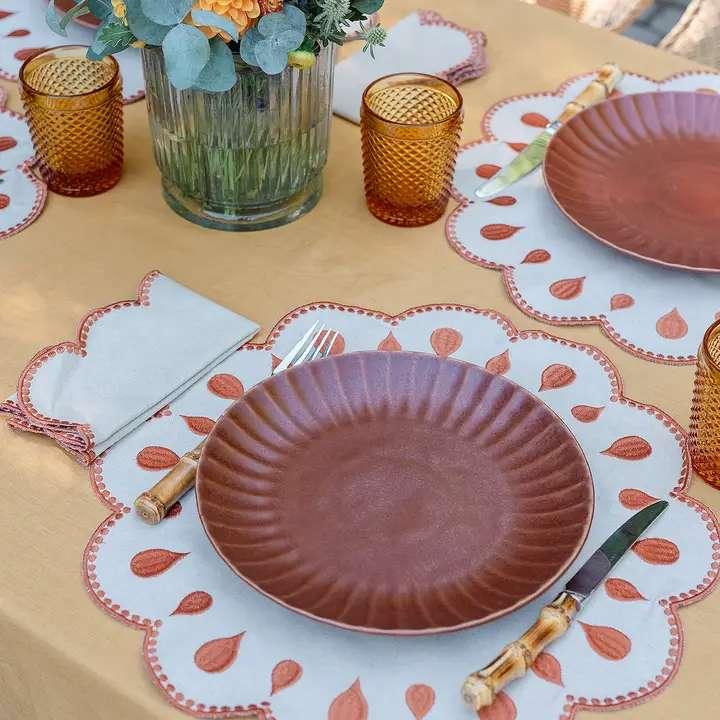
x=642, y=174
x=394, y=492
x=87, y=20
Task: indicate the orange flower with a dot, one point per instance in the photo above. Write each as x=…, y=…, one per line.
x=242, y=13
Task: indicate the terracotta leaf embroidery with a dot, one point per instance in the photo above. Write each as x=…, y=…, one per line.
x=619, y=589
x=556, y=376
x=630, y=447
x=621, y=301
x=606, y=641
x=517, y=146
x=499, y=364
x=4, y=201
x=547, y=667
x=153, y=562
x=498, y=231
x=420, y=699
x=536, y=256
x=337, y=347
x=7, y=143
x=349, y=705
x=194, y=603
x=199, y=424
x=486, y=170
x=5, y=14
x=503, y=200
x=156, y=457
x=586, y=413
x=218, y=655
x=503, y=708
x=657, y=551
x=26, y=53
x=174, y=510
x=567, y=289
x=707, y=91
x=672, y=325
x=634, y=499
x=226, y=386
x=534, y=119
x=389, y=344
x=275, y=361
x=445, y=341
x=18, y=33
x=284, y=674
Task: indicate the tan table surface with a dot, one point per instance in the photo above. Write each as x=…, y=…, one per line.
x=62, y=658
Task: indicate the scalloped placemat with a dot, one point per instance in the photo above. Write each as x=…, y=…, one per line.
x=215, y=648
x=553, y=271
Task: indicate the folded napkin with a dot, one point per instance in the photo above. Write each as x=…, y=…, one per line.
x=130, y=359
x=422, y=42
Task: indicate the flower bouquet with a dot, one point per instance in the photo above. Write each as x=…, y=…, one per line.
x=239, y=96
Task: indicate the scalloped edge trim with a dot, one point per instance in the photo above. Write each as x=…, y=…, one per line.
x=77, y=438
x=151, y=627
x=507, y=271
x=475, y=64
x=24, y=167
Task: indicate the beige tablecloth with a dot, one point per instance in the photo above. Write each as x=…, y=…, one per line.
x=60, y=657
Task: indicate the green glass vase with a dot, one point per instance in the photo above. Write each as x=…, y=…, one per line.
x=249, y=158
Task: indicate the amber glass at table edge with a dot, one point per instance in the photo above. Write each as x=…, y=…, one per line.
x=410, y=126
x=705, y=410
x=75, y=114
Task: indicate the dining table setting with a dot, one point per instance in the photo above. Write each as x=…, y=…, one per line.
x=361, y=361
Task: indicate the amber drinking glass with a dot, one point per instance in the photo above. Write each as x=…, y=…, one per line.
x=74, y=109
x=705, y=411
x=410, y=136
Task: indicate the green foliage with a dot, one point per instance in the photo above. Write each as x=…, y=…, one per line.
x=112, y=36
x=194, y=62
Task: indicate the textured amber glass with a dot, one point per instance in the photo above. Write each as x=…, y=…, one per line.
x=410, y=136
x=74, y=109
x=705, y=411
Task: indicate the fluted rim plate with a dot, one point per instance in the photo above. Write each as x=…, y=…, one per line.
x=641, y=173
x=394, y=492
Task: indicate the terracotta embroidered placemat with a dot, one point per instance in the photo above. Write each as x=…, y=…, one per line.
x=216, y=648
x=22, y=195
x=555, y=272
x=24, y=31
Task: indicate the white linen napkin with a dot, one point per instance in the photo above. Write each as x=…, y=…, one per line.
x=129, y=360
x=422, y=42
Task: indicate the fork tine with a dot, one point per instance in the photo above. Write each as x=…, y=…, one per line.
x=319, y=345
x=310, y=350
x=300, y=346
x=327, y=348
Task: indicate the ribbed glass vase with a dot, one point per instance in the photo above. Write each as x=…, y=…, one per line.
x=246, y=159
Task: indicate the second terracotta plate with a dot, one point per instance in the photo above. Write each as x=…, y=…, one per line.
x=642, y=174
x=394, y=492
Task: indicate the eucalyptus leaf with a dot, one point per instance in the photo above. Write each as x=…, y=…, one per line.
x=271, y=62
x=53, y=19
x=296, y=17
x=272, y=23
x=211, y=19
x=367, y=7
x=101, y=9
x=247, y=46
x=289, y=40
x=115, y=34
x=186, y=51
x=143, y=28
x=166, y=12
x=219, y=74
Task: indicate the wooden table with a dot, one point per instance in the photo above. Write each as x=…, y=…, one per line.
x=60, y=657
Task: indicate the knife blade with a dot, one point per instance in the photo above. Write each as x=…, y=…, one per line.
x=608, y=76
x=481, y=687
